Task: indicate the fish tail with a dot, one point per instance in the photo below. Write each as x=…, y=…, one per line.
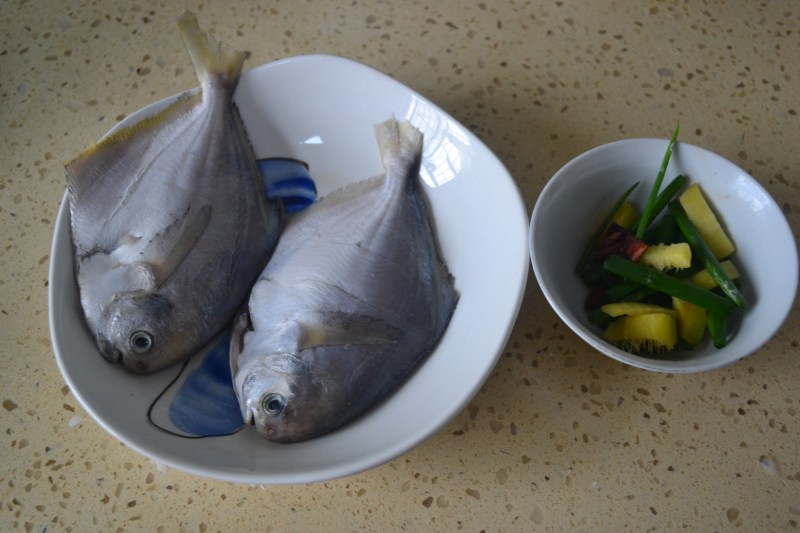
x=212, y=60
x=400, y=145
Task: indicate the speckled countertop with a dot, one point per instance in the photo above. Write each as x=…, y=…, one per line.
x=560, y=438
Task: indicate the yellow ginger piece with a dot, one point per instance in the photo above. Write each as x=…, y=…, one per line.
x=709, y=228
x=704, y=280
x=652, y=332
x=626, y=215
x=667, y=256
x=691, y=321
x=633, y=308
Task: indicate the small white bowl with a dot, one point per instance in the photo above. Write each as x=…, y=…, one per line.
x=580, y=194
x=322, y=110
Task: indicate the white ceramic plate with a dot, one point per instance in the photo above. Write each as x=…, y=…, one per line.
x=579, y=195
x=321, y=110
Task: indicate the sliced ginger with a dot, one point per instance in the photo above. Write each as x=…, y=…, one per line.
x=704, y=280
x=633, y=308
x=704, y=219
x=626, y=216
x=691, y=321
x=667, y=256
x=652, y=332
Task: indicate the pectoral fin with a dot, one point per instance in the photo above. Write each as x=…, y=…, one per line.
x=241, y=325
x=167, y=250
x=338, y=328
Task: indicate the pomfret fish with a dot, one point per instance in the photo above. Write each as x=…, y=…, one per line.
x=355, y=295
x=170, y=222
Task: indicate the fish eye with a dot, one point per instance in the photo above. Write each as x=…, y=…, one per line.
x=273, y=404
x=141, y=342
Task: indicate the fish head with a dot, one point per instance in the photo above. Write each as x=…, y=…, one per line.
x=280, y=397
x=137, y=330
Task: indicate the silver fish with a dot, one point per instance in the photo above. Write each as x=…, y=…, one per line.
x=170, y=223
x=354, y=297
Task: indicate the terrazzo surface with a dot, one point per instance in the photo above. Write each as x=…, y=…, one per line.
x=559, y=438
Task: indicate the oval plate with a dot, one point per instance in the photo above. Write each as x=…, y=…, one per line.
x=321, y=110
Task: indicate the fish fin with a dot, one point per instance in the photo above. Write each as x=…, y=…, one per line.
x=400, y=145
x=144, y=275
x=166, y=250
x=241, y=325
x=347, y=192
x=337, y=328
x=91, y=166
x=211, y=58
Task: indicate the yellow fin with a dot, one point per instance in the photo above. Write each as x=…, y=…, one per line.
x=91, y=165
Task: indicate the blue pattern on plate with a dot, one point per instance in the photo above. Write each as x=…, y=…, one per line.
x=288, y=179
x=206, y=403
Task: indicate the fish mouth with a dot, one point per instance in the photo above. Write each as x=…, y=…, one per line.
x=108, y=351
x=249, y=415
x=137, y=366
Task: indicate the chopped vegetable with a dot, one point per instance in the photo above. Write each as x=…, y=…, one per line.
x=667, y=284
x=622, y=291
x=664, y=231
x=628, y=291
x=649, y=208
x=691, y=321
x=718, y=328
x=652, y=332
x=656, y=282
x=619, y=241
x=705, y=254
x=626, y=216
x=667, y=256
x=588, y=251
x=704, y=280
x=633, y=308
x=663, y=198
x=699, y=212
